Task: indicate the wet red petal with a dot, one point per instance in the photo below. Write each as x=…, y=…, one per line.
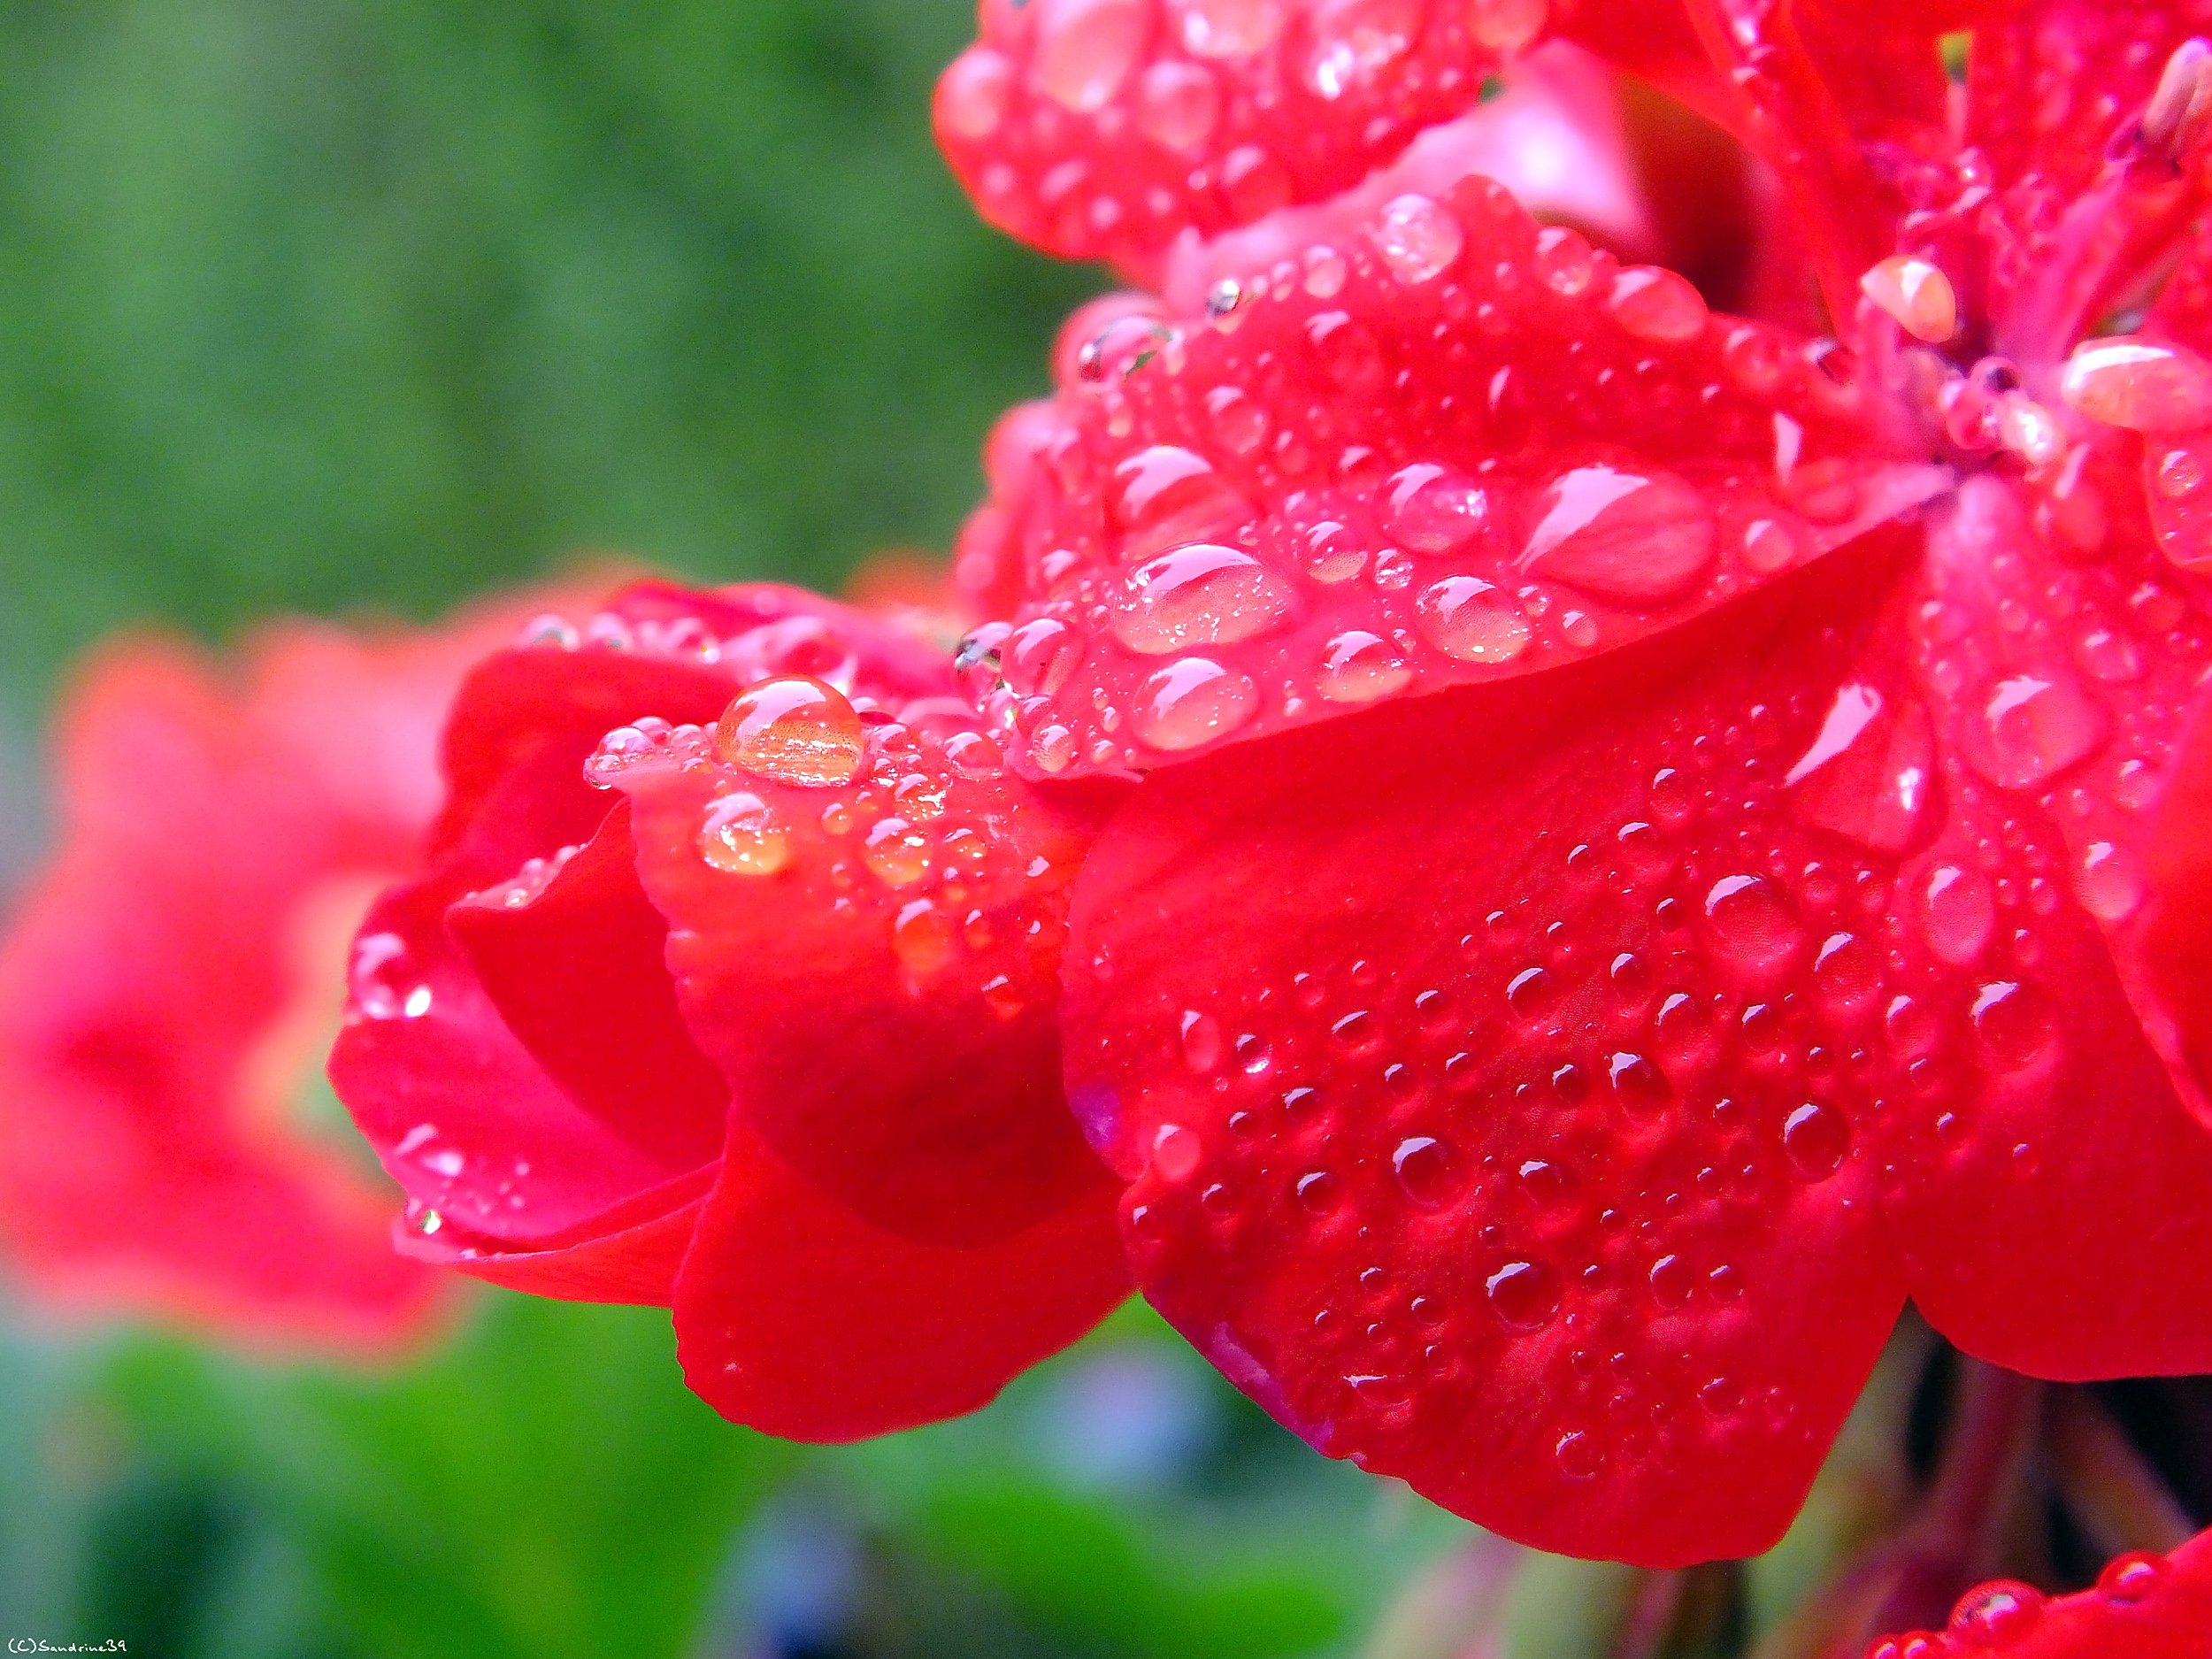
x=2144, y=1606
x=627, y=1254
x=796, y=1318
x=1105, y=128
x=2178, y=926
x=574, y=961
x=1443, y=445
x=483, y=1137
x=1487, y=1068
x=873, y=963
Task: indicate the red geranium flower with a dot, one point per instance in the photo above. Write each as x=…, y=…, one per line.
x=1661, y=833
x=171, y=977
x=745, y=849
x=2144, y=1606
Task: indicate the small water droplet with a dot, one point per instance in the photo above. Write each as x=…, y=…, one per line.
x=1423, y=1167
x=1523, y=1295
x=1577, y=1456
x=740, y=837
x=1201, y=1040
x=1468, y=618
x=1175, y=1153
x=1417, y=238
x=1357, y=667
x=1816, y=1137
x=1959, y=913
x=1654, y=303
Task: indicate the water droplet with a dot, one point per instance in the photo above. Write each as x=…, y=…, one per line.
x=1164, y=495
x=1202, y=594
x=1654, y=303
x=2013, y=1022
x=1175, y=1153
x=1417, y=238
x=1529, y=991
x=1432, y=509
x=1626, y=536
x=1506, y=25
x=1639, y=1085
x=1671, y=1281
x=895, y=852
x=2132, y=1579
x=2031, y=727
x=740, y=836
x=2109, y=882
x=1959, y=913
x=2142, y=385
x=1357, y=667
x=1352, y=39
x=1577, y=1456
x=1039, y=655
x=1085, y=49
x=1230, y=28
x=381, y=980
x=1201, y=1040
x=1317, y=1190
x=1193, y=702
x=1177, y=106
x=1468, y=618
x=1915, y=294
x=1422, y=1165
x=1523, y=1295
x=1816, y=1137
x=1998, y=1614
x=793, y=729
x=922, y=937
x=1754, y=925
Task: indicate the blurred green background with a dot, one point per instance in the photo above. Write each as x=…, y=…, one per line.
x=312, y=304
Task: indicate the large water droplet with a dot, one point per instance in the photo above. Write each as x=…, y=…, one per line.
x=1626, y=536
x=1164, y=495
x=2143, y=385
x=1203, y=595
x=1467, y=617
x=1753, y=925
x=1417, y=238
x=2014, y=1024
x=1193, y=702
x=1086, y=48
x=1523, y=1295
x=1959, y=912
x=1423, y=1166
x=1868, y=772
x=1200, y=1037
x=382, y=981
x=1357, y=667
x=1432, y=509
x=1816, y=1137
x=2031, y=727
x=793, y=729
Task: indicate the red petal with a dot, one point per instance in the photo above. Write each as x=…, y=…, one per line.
x=1099, y=129
x=1440, y=447
x=627, y=1253
x=1487, y=1067
x=796, y=1318
x=2177, y=929
x=2144, y=1606
x=2051, y=1159
x=574, y=964
x=872, y=964
x=485, y=1141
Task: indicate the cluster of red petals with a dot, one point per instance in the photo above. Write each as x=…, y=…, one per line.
x=1662, y=831
x=729, y=985
x=169, y=981
x=2144, y=1606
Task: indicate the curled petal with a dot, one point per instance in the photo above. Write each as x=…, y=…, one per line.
x=796, y=1318
x=871, y=962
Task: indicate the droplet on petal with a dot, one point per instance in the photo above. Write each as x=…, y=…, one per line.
x=1086, y=48
x=1654, y=303
x=1468, y=618
x=1203, y=595
x=2142, y=385
x=793, y=729
x=1915, y=294
x=1417, y=238
x=740, y=836
x=1193, y=702
x=1626, y=536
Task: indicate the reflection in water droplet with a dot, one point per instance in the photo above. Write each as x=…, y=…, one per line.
x=740, y=836
x=1523, y=1295
x=793, y=729
x=1816, y=1137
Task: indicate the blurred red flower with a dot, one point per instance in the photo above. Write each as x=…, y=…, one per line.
x=745, y=846
x=2144, y=1606
x=170, y=977
x=1651, y=849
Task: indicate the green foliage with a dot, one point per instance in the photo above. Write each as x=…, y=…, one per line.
x=325, y=302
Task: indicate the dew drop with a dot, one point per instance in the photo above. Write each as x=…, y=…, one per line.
x=1630, y=537
x=1085, y=49
x=1201, y=1040
x=1175, y=1153
x=1999, y=1614
x=793, y=729
x=2109, y=882
x=1816, y=1137
x=1468, y=618
x=381, y=980
x=2013, y=1022
x=1523, y=1295
x=1230, y=28
x=1357, y=667
x=1959, y=913
x=895, y=852
x=1203, y=595
x=1753, y=925
x=740, y=836
x=1506, y=25
x=2132, y=1579
x=1177, y=106
x=1418, y=239
x=2031, y=727
x=1577, y=1456
x=1191, y=702
x=1422, y=1165
x=922, y=937
x=1432, y=509
x=1353, y=39
x=1654, y=303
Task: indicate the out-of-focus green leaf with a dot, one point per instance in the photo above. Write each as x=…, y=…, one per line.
x=544, y=1487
